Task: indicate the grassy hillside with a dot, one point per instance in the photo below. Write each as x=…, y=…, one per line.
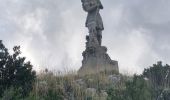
x=101, y=86
x=73, y=87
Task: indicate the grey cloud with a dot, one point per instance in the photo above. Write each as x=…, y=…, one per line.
x=52, y=32
x=150, y=18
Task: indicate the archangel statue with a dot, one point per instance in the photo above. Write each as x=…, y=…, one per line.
x=94, y=21
x=95, y=57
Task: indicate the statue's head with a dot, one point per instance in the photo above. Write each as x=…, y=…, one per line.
x=87, y=4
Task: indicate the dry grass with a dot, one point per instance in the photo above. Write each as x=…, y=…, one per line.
x=69, y=86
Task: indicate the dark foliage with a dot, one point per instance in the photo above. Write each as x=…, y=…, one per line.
x=14, y=71
x=137, y=89
x=159, y=77
x=153, y=84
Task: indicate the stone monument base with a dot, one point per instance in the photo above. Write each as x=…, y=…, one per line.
x=96, y=59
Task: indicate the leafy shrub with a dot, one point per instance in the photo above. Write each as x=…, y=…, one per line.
x=157, y=74
x=14, y=71
x=137, y=89
x=159, y=77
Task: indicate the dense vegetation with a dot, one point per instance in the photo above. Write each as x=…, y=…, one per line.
x=15, y=73
x=153, y=84
x=19, y=82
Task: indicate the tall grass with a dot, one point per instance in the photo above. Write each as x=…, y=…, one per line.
x=70, y=86
x=56, y=86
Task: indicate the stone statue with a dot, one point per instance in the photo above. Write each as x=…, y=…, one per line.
x=94, y=21
x=95, y=57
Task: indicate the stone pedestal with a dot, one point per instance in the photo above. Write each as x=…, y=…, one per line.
x=96, y=59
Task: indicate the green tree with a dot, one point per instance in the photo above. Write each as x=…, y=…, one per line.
x=157, y=74
x=138, y=89
x=159, y=77
x=14, y=71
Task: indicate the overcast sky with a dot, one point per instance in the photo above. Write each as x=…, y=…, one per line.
x=52, y=33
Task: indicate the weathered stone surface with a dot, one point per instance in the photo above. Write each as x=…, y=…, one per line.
x=96, y=60
x=95, y=57
x=94, y=21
